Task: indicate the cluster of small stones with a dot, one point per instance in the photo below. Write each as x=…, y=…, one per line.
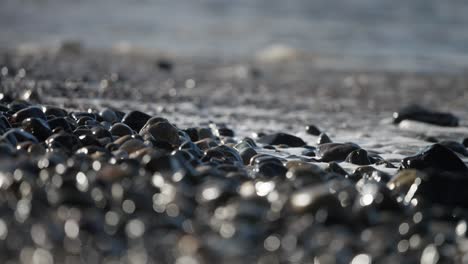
x=110, y=187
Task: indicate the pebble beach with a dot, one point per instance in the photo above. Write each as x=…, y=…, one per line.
x=123, y=158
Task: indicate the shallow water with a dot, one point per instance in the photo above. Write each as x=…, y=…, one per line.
x=417, y=35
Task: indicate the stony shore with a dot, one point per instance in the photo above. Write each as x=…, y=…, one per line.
x=111, y=158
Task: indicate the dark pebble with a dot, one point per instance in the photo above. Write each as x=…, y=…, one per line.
x=135, y=119
x=358, y=157
x=336, y=151
x=120, y=130
x=60, y=122
x=435, y=157
x=454, y=146
x=418, y=113
x=165, y=132
x=109, y=116
x=282, y=139
x=54, y=111
x=323, y=139
x=37, y=127
x=28, y=112
x=312, y=130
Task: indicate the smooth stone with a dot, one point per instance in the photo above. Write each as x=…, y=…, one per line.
x=89, y=140
x=165, y=65
x=15, y=135
x=120, y=130
x=64, y=140
x=28, y=112
x=442, y=187
x=270, y=169
x=247, y=154
x=60, y=122
x=165, y=132
x=82, y=120
x=16, y=106
x=418, y=113
x=101, y=132
x=335, y=151
x=152, y=121
x=260, y=158
x=312, y=130
x=308, y=153
x=323, y=139
x=358, y=157
x=225, y=132
x=54, y=111
x=37, y=127
x=282, y=139
x=108, y=115
x=80, y=131
x=435, y=157
x=132, y=145
x=455, y=147
x=465, y=142
x=91, y=150
x=136, y=120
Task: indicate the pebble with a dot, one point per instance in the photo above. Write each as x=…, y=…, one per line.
x=165, y=132
x=358, y=157
x=312, y=130
x=323, y=139
x=120, y=130
x=113, y=180
x=136, y=120
x=336, y=151
x=28, y=112
x=418, y=113
x=435, y=157
x=37, y=127
x=282, y=139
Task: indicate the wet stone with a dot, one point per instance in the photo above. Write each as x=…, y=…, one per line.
x=312, y=130
x=435, y=157
x=59, y=122
x=270, y=169
x=323, y=139
x=165, y=132
x=132, y=145
x=282, y=139
x=455, y=147
x=37, y=127
x=418, y=113
x=109, y=116
x=247, y=154
x=89, y=140
x=336, y=151
x=358, y=157
x=135, y=119
x=28, y=112
x=54, y=111
x=120, y=130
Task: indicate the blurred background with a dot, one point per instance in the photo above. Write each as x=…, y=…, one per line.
x=420, y=35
